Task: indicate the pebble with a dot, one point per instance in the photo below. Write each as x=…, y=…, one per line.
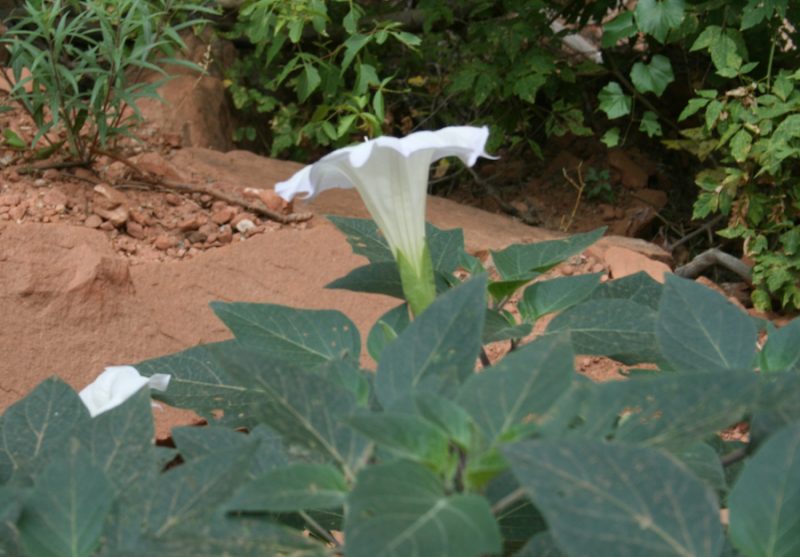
x=93, y=221
x=245, y=225
x=163, y=243
x=135, y=230
x=173, y=199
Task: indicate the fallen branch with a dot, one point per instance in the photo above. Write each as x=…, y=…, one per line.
x=700, y=230
x=565, y=228
x=31, y=168
x=506, y=207
x=713, y=257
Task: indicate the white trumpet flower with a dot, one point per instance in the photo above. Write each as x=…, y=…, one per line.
x=116, y=385
x=391, y=174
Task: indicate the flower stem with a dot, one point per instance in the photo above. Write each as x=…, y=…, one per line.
x=419, y=285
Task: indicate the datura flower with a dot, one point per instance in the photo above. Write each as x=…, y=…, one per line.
x=116, y=385
x=391, y=174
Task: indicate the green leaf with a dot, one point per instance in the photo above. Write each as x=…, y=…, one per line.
x=500, y=289
x=375, y=278
x=541, y=545
x=556, y=294
x=692, y=108
x=497, y=327
x=308, y=82
x=399, y=508
x=782, y=350
x=740, y=145
x=405, y=436
x=39, y=427
x=617, y=328
x=520, y=520
x=11, y=498
x=650, y=125
x=122, y=441
x=621, y=27
x=362, y=235
x=64, y=514
x=520, y=389
x=613, y=101
x=640, y=501
x=653, y=77
x=527, y=87
x=657, y=18
x=298, y=404
x=763, y=504
x=437, y=352
x=197, y=383
x=704, y=463
x=611, y=138
x=725, y=56
x=396, y=320
x=352, y=46
x=519, y=259
x=447, y=416
x=699, y=330
x=14, y=141
x=671, y=411
x=293, y=488
x=305, y=337
x=445, y=246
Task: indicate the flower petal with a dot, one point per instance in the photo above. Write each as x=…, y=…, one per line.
x=116, y=385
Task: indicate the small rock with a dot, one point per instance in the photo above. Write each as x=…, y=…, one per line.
x=218, y=206
x=192, y=223
x=111, y=204
x=60, y=209
x=108, y=226
x=274, y=202
x=163, y=243
x=196, y=237
x=212, y=238
x=607, y=212
x=598, y=268
x=84, y=173
x=240, y=217
x=18, y=212
x=10, y=199
x=92, y=221
x=206, y=199
x=40, y=183
x=55, y=197
x=633, y=176
x=173, y=199
x=224, y=216
x=245, y=225
x=5, y=216
x=135, y=230
x=656, y=198
x=623, y=262
x=255, y=230
x=226, y=236
x=567, y=269
x=13, y=176
x=140, y=217
x=51, y=175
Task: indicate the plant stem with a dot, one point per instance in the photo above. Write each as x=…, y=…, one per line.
x=508, y=500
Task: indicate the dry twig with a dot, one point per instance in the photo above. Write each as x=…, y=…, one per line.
x=715, y=257
x=580, y=187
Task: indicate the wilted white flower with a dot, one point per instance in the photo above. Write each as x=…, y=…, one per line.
x=391, y=174
x=116, y=385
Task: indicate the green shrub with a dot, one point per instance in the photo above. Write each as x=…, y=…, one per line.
x=83, y=58
x=426, y=457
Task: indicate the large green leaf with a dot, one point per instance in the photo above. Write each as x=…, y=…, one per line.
x=556, y=294
x=698, y=330
x=519, y=389
x=298, y=404
x=401, y=509
x=188, y=494
x=653, y=77
x=765, y=502
x=396, y=320
x=375, y=278
x=541, y=545
x=447, y=416
x=229, y=536
x=672, y=411
x=519, y=259
x=782, y=350
x=437, y=352
x=658, y=17
x=498, y=327
x=607, y=500
x=640, y=288
x=122, y=441
x=703, y=461
x=520, y=520
x=293, y=488
x=39, y=426
x=363, y=236
x=197, y=383
x=404, y=435
x=304, y=337
x=64, y=514
x=620, y=329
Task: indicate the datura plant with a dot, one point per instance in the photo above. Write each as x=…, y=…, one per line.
x=391, y=174
x=116, y=385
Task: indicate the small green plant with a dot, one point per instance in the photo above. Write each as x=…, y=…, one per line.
x=83, y=59
x=425, y=456
x=598, y=184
